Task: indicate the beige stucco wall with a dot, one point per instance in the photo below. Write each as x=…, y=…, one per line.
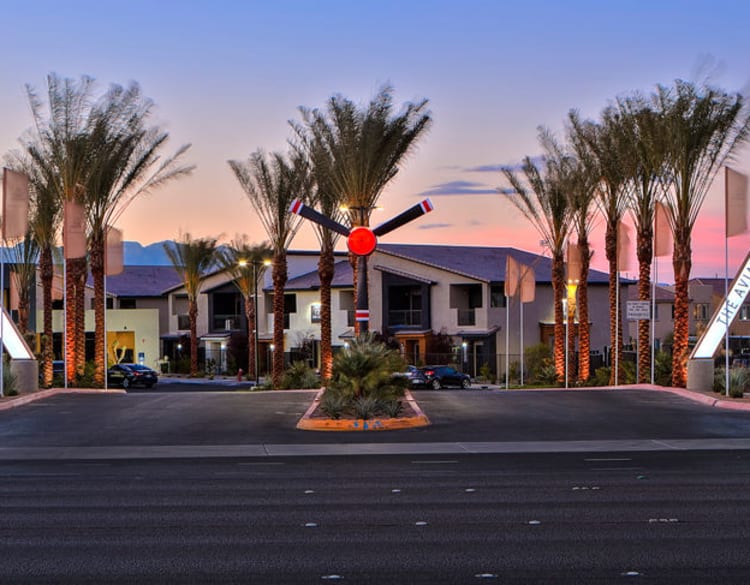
x=143, y=322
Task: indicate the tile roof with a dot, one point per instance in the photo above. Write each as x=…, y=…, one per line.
x=481, y=262
x=343, y=277
x=142, y=281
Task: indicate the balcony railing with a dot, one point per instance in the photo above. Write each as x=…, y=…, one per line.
x=406, y=317
x=226, y=323
x=466, y=317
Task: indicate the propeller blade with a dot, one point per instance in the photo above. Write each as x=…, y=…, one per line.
x=309, y=213
x=412, y=213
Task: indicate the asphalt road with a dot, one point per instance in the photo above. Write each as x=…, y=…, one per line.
x=95, y=505
x=230, y=417
x=646, y=518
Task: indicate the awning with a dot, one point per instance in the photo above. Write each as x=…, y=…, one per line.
x=408, y=275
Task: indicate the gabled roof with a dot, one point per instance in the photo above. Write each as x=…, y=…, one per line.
x=480, y=262
x=343, y=278
x=716, y=283
x=663, y=294
x=142, y=281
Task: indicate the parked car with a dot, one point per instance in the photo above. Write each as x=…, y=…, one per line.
x=416, y=377
x=437, y=377
x=127, y=375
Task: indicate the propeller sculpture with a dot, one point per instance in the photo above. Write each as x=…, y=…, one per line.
x=361, y=241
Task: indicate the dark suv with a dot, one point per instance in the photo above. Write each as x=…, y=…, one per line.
x=437, y=377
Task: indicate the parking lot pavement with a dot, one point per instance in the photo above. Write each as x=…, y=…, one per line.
x=251, y=422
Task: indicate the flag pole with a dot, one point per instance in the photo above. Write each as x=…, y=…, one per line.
x=507, y=337
x=521, y=336
x=726, y=279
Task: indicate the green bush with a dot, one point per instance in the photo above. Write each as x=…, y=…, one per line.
x=391, y=408
x=10, y=383
x=366, y=369
x=362, y=383
x=365, y=407
x=627, y=375
x=333, y=405
x=540, y=365
x=663, y=368
x=739, y=381
x=298, y=376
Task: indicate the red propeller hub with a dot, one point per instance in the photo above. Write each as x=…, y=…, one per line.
x=361, y=241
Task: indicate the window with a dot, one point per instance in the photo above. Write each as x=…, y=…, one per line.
x=127, y=303
x=109, y=303
x=745, y=313
x=315, y=313
x=672, y=305
x=497, y=296
x=700, y=311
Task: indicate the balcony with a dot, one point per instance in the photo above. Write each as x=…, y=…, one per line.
x=466, y=317
x=226, y=323
x=405, y=318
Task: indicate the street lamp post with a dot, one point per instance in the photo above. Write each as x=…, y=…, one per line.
x=255, y=318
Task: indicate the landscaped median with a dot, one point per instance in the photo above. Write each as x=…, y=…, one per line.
x=314, y=420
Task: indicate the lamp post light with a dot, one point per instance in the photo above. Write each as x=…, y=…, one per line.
x=256, y=264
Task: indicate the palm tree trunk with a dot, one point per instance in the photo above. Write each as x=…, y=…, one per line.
x=558, y=289
x=279, y=283
x=97, y=274
x=80, y=322
x=584, y=330
x=326, y=273
x=72, y=267
x=682, y=265
x=645, y=256
x=570, y=331
x=46, y=275
x=615, y=323
x=23, y=313
x=193, y=317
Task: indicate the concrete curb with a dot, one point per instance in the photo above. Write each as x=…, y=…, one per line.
x=307, y=423
x=14, y=401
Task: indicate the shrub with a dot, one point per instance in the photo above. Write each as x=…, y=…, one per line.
x=663, y=368
x=299, y=375
x=391, y=408
x=539, y=364
x=485, y=373
x=10, y=383
x=365, y=407
x=85, y=378
x=333, y=405
x=739, y=381
x=366, y=369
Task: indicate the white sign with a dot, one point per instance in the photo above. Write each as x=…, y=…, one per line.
x=725, y=314
x=638, y=310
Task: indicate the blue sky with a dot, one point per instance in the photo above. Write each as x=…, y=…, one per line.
x=227, y=76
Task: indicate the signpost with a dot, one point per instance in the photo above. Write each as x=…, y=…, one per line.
x=638, y=311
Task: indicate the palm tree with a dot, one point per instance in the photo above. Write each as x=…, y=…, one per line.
x=44, y=224
x=192, y=258
x=329, y=202
x=271, y=184
x=704, y=127
x=600, y=143
x=24, y=255
x=582, y=179
x=65, y=148
x=547, y=208
x=364, y=148
x=246, y=263
x=129, y=167
x=644, y=157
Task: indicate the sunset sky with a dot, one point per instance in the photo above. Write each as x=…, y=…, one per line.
x=228, y=75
